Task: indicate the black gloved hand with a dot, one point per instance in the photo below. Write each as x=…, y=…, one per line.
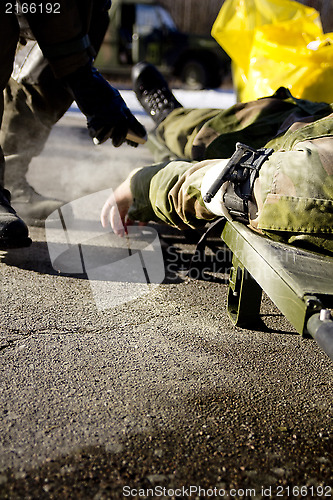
x=106, y=111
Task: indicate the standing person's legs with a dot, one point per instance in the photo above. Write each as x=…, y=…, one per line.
x=13, y=231
x=34, y=102
x=9, y=32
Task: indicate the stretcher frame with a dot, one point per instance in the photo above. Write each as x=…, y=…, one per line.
x=299, y=282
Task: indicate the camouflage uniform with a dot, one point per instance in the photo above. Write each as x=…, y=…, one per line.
x=296, y=180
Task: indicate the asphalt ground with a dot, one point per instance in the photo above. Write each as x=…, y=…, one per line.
x=157, y=397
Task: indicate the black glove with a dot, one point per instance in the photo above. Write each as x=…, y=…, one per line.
x=106, y=111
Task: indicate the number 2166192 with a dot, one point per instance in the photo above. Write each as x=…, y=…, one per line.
x=32, y=8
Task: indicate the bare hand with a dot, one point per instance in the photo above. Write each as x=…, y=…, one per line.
x=115, y=209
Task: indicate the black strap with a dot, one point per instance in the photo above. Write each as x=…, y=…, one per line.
x=199, y=253
x=241, y=171
x=67, y=48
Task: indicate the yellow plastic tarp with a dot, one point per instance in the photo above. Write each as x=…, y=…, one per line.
x=274, y=43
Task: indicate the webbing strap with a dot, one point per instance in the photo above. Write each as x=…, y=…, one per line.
x=241, y=171
x=67, y=48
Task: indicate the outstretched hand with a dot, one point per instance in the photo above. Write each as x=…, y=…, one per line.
x=115, y=209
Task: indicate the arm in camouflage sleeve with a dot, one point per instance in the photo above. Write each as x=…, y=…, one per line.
x=170, y=193
x=166, y=192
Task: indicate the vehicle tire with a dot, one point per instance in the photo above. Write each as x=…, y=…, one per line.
x=194, y=75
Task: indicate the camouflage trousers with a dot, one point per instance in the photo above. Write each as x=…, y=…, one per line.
x=9, y=33
x=295, y=202
x=30, y=112
x=34, y=99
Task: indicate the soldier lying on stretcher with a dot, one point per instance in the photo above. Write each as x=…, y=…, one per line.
x=288, y=194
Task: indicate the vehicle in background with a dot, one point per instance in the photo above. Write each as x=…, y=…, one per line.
x=143, y=30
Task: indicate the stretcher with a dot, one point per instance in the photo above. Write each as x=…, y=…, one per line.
x=299, y=282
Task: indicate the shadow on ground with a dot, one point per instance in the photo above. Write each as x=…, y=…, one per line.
x=179, y=253
x=221, y=439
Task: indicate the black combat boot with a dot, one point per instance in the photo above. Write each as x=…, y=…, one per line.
x=13, y=231
x=153, y=92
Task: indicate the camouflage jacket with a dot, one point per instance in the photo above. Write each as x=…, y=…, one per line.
x=296, y=181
